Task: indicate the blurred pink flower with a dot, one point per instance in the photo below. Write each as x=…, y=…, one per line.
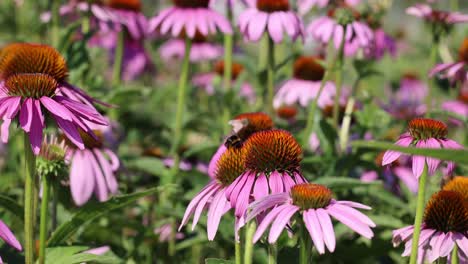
x=381, y=44
x=332, y=28
x=93, y=169
x=9, y=237
x=454, y=71
x=305, y=85
x=165, y=231
x=444, y=227
x=315, y=204
x=273, y=17
x=189, y=16
x=436, y=16
x=423, y=133
x=200, y=51
x=458, y=106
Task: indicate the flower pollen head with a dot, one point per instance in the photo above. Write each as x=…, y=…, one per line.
x=411, y=76
x=127, y=5
x=237, y=69
x=198, y=38
x=447, y=211
x=458, y=184
x=271, y=6
x=91, y=142
x=287, y=112
x=311, y=196
x=230, y=165
x=272, y=150
x=192, y=3
x=307, y=68
x=32, y=58
x=424, y=128
x=463, y=51
x=31, y=85
x=53, y=149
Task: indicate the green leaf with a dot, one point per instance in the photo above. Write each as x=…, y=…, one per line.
x=153, y=166
x=91, y=211
x=12, y=206
x=460, y=156
x=72, y=255
x=218, y=261
x=343, y=182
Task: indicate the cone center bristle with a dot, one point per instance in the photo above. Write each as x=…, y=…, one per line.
x=31, y=85
x=250, y=123
x=311, y=196
x=272, y=150
x=237, y=69
x=192, y=3
x=230, y=165
x=20, y=58
x=271, y=6
x=91, y=142
x=127, y=5
x=447, y=211
x=423, y=129
x=463, y=52
x=287, y=112
x=307, y=68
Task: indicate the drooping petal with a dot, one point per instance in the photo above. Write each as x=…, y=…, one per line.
x=267, y=220
x=280, y=222
x=193, y=204
x=327, y=229
x=215, y=212
x=8, y=237
x=351, y=221
x=315, y=230
x=390, y=155
x=81, y=181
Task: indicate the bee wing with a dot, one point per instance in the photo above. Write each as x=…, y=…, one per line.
x=238, y=124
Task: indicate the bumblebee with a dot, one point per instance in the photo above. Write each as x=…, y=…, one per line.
x=234, y=141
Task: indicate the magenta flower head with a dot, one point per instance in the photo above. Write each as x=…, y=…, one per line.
x=206, y=80
x=314, y=204
x=423, y=133
x=8, y=237
x=383, y=43
x=305, y=6
x=440, y=20
x=272, y=160
x=32, y=79
x=458, y=106
x=201, y=50
x=444, y=226
x=342, y=24
x=227, y=164
x=93, y=169
x=189, y=16
x=408, y=101
x=455, y=71
x=305, y=85
x=273, y=17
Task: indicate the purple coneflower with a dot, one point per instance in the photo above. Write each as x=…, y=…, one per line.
x=272, y=160
x=205, y=80
x=189, y=16
x=316, y=204
x=434, y=16
x=272, y=16
x=342, y=24
x=305, y=6
x=201, y=50
x=455, y=71
x=408, y=101
x=93, y=168
x=225, y=166
x=382, y=43
x=9, y=237
x=444, y=227
x=305, y=85
x=423, y=133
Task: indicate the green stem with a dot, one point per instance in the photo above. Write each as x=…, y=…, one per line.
x=44, y=220
x=55, y=23
x=228, y=49
x=338, y=82
x=248, y=249
x=344, y=132
x=272, y=253
x=172, y=238
x=454, y=258
x=238, y=252
x=431, y=81
x=181, y=96
x=304, y=250
x=270, y=76
x=54, y=205
x=118, y=59
x=454, y=5
x=30, y=192
x=419, y=215
x=442, y=260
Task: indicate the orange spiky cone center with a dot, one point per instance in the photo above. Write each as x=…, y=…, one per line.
x=447, y=211
x=230, y=165
x=91, y=142
x=271, y=6
x=237, y=69
x=424, y=128
x=21, y=58
x=192, y=3
x=311, y=196
x=458, y=184
x=272, y=150
x=308, y=68
x=287, y=112
x=31, y=85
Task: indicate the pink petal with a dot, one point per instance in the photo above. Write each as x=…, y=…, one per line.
x=313, y=226
x=280, y=222
x=267, y=220
x=81, y=178
x=195, y=201
x=327, y=229
x=349, y=220
x=215, y=213
x=9, y=237
x=390, y=155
